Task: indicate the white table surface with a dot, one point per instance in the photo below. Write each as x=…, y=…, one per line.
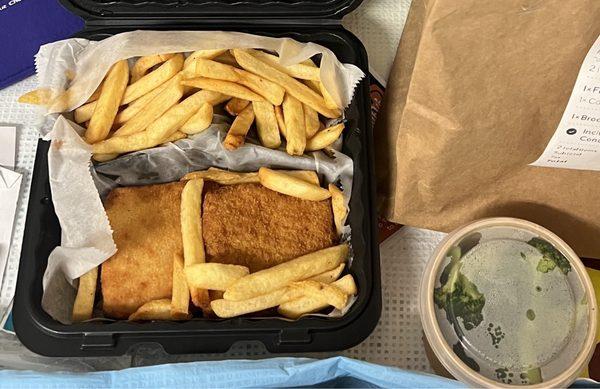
x=396, y=341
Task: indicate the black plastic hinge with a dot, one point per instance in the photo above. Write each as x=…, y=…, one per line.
x=93, y=341
x=294, y=336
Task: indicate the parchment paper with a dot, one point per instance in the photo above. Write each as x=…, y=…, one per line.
x=77, y=186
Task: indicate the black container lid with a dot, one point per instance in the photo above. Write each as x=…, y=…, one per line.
x=221, y=9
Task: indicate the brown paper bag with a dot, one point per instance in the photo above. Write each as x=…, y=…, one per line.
x=475, y=94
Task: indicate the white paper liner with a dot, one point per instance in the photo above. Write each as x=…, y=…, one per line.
x=77, y=186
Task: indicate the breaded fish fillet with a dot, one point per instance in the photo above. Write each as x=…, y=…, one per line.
x=251, y=225
x=147, y=231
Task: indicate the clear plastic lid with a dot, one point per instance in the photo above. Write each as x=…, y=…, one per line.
x=509, y=305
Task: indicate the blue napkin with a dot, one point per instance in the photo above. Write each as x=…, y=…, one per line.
x=277, y=372
x=24, y=26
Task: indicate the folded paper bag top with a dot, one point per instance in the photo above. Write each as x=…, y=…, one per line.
x=476, y=92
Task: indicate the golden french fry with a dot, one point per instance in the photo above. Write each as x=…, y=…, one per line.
x=314, y=85
x=226, y=87
x=305, y=175
x=291, y=85
x=302, y=71
x=293, y=309
x=177, y=115
x=227, y=59
x=136, y=106
x=206, y=54
x=108, y=103
x=329, y=102
x=191, y=234
x=311, y=120
x=104, y=157
x=154, y=109
x=145, y=63
x=214, y=276
x=291, y=186
x=153, y=79
x=339, y=208
x=324, y=138
x=295, y=129
x=235, y=106
x=272, y=92
x=223, y=177
x=86, y=292
x=320, y=291
x=236, y=135
x=85, y=112
x=280, y=119
x=200, y=121
x=329, y=276
x=174, y=137
x=180, y=297
x=36, y=97
x=227, y=308
x=157, y=310
x=279, y=276
x=266, y=124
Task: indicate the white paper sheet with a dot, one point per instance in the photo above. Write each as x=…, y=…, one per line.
x=10, y=184
x=8, y=135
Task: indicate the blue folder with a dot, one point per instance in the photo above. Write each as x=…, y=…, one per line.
x=25, y=25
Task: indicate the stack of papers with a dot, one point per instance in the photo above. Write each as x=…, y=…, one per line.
x=10, y=185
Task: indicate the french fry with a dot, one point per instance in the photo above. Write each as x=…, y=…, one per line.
x=329, y=102
x=236, y=135
x=85, y=112
x=227, y=308
x=308, y=304
x=271, y=92
x=206, y=54
x=108, y=103
x=191, y=234
x=227, y=59
x=153, y=79
x=145, y=63
x=84, y=301
x=320, y=291
x=104, y=157
x=157, y=310
x=154, y=109
x=314, y=85
x=235, y=106
x=136, y=106
x=96, y=93
x=180, y=297
x=200, y=121
x=214, y=276
x=177, y=115
x=279, y=276
x=339, y=208
x=302, y=71
x=266, y=124
x=174, y=137
x=226, y=87
x=223, y=177
x=329, y=276
x=311, y=120
x=324, y=138
x=305, y=175
x=36, y=97
x=291, y=186
x=295, y=128
x=280, y=119
x=291, y=85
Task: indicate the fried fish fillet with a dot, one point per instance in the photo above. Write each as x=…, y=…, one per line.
x=250, y=225
x=147, y=231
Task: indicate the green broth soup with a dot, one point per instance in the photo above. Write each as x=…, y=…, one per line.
x=510, y=308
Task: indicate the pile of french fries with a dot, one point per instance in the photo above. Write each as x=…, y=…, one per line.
x=303, y=285
x=166, y=97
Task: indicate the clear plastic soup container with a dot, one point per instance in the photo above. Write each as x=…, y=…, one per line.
x=506, y=302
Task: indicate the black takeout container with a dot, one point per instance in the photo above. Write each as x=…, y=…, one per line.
x=317, y=21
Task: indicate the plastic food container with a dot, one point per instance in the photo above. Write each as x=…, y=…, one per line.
x=316, y=21
x=505, y=302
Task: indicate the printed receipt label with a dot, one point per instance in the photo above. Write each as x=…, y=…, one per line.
x=576, y=142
